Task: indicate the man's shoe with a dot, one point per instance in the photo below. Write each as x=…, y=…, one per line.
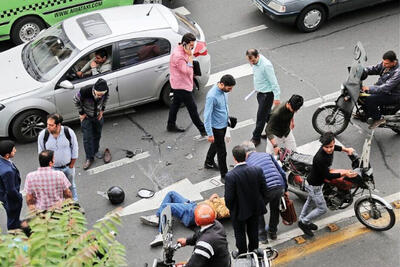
x=175, y=129
x=272, y=235
x=264, y=136
x=107, y=156
x=151, y=220
x=263, y=238
x=87, y=164
x=223, y=179
x=213, y=166
x=305, y=228
x=360, y=116
x=158, y=241
x=235, y=254
x=376, y=123
x=313, y=227
x=255, y=142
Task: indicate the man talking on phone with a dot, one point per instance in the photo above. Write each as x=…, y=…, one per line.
x=181, y=80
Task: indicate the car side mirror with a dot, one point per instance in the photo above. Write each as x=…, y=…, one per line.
x=66, y=85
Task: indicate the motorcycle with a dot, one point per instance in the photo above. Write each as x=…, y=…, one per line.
x=371, y=210
x=259, y=258
x=335, y=116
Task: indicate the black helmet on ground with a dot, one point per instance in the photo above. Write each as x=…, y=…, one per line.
x=116, y=195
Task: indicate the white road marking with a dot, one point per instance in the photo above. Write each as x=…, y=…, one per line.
x=182, y=10
x=183, y=187
x=239, y=125
x=244, y=32
x=118, y=163
x=319, y=100
x=312, y=147
x=286, y=236
x=236, y=72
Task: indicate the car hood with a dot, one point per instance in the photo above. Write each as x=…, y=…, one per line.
x=15, y=80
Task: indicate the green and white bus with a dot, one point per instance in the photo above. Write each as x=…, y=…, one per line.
x=22, y=20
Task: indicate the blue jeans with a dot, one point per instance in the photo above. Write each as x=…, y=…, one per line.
x=70, y=173
x=315, y=195
x=181, y=208
x=91, y=129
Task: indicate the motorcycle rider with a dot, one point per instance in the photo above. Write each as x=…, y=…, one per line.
x=386, y=90
x=210, y=244
x=319, y=172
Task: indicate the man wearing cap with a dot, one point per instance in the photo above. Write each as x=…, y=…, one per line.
x=10, y=182
x=91, y=102
x=280, y=125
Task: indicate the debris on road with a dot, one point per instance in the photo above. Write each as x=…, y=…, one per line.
x=189, y=156
x=147, y=137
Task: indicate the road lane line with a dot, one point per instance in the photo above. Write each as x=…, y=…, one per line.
x=239, y=125
x=319, y=100
x=118, y=163
x=237, y=72
x=323, y=242
x=286, y=236
x=244, y=32
x=182, y=10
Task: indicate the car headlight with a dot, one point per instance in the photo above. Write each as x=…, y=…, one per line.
x=277, y=7
x=2, y=106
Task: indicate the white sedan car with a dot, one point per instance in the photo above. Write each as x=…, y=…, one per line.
x=40, y=77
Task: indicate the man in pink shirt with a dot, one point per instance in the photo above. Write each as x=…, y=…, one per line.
x=46, y=187
x=181, y=80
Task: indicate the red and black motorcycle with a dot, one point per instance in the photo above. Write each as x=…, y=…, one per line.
x=371, y=210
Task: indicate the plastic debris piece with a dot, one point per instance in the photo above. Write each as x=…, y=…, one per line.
x=147, y=137
x=132, y=176
x=115, y=124
x=396, y=204
x=169, y=147
x=168, y=163
x=103, y=194
x=333, y=227
x=189, y=156
x=299, y=240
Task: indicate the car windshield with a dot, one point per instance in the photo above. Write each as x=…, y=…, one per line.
x=47, y=55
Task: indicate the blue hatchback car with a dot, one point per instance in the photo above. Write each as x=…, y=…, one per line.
x=308, y=15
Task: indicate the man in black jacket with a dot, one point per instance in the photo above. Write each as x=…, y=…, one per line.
x=91, y=103
x=210, y=244
x=386, y=90
x=245, y=189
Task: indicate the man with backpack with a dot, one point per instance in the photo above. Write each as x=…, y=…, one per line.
x=62, y=140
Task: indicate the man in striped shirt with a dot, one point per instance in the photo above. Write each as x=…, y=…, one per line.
x=46, y=187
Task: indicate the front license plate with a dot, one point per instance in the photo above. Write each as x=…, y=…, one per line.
x=259, y=6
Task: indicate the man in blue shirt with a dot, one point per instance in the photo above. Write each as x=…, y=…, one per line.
x=267, y=88
x=216, y=121
x=65, y=148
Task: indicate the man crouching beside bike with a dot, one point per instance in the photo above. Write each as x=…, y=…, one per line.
x=320, y=171
x=210, y=244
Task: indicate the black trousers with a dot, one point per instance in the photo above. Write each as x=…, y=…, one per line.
x=250, y=226
x=273, y=199
x=91, y=129
x=186, y=97
x=373, y=102
x=218, y=148
x=265, y=101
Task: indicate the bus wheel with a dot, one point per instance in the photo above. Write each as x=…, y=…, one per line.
x=26, y=29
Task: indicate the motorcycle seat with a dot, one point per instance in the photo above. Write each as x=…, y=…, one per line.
x=302, y=158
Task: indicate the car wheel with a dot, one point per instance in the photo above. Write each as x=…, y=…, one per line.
x=27, y=125
x=311, y=18
x=167, y=96
x=26, y=29
x=163, y=2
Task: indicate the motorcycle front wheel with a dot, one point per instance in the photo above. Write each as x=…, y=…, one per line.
x=374, y=214
x=330, y=118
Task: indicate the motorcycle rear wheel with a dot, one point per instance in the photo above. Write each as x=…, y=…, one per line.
x=330, y=118
x=374, y=214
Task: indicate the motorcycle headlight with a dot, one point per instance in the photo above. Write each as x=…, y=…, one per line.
x=277, y=7
x=2, y=107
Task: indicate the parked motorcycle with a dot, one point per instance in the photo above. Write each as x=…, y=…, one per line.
x=371, y=210
x=335, y=116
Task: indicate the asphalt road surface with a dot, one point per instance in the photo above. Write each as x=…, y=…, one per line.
x=312, y=65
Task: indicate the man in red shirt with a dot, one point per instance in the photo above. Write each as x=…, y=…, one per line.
x=181, y=80
x=46, y=187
